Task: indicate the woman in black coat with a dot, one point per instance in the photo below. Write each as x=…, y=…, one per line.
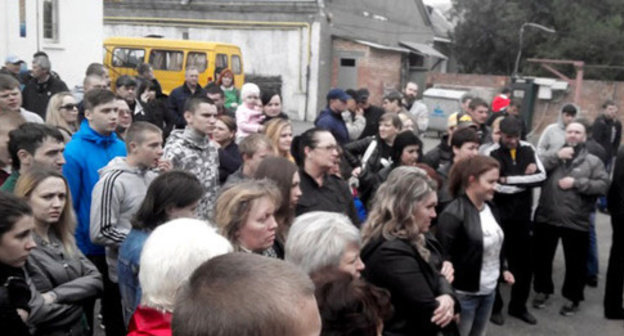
x=396, y=256
x=16, y=242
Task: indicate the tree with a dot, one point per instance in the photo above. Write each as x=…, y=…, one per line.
x=486, y=35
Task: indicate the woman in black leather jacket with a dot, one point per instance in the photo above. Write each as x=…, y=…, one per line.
x=16, y=241
x=396, y=256
x=470, y=235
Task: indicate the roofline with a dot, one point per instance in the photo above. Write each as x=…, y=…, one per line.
x=159, y=42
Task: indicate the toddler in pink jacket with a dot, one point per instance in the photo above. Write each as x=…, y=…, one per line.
x=249, y=114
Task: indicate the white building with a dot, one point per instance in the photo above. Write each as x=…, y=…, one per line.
x=69, y=31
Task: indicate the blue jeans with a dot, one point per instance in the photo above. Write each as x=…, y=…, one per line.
x=128, y=271
x=475, y=313
x=592, y=257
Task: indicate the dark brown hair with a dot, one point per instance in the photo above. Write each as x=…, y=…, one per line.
x=281, y=171
x=228, y=121
x=350, y=306
x=464, y=169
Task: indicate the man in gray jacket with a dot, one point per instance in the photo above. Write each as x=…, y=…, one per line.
x=553, y=136
x=575, y=179
x=122, y=186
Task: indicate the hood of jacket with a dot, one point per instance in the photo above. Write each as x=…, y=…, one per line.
x=120, y=163
x=189, y=137
x=89, y=134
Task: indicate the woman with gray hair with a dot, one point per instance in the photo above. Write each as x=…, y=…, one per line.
x=320, y=240
x=397, y=258
x=170, y=255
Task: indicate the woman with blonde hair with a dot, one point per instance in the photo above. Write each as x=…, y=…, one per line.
x=245, y=215
x=394, y=238
x=62, y=113
x=66, y=279
x=280, y=132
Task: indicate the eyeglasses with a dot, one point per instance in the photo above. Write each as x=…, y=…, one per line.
x=69, y=106
x=327, y=147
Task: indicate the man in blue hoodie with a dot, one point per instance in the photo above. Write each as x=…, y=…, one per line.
x=90, y=149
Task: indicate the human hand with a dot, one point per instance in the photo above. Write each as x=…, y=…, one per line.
x=448, y=271
x=356, y=172
x=565, y=153
x=530, y=169
x=261, y=129
x=49, y=297
x=22, y=314
x=164, y=165
x=359, y=111
x=566, y=183
x=508, y=277
x=444, y=314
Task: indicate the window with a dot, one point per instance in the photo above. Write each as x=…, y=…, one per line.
x=127, y=58
x=198, y=60
x=168, y=60
x=347, y=62
x=221, y=61
x=416, y=61
x=50, y=20
x=237, y=68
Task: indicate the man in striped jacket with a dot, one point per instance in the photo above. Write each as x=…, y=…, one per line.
x=122, y=186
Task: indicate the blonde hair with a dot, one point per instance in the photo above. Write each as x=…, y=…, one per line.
x=234, y=204
x=392, y=215
x=273, y=130
x=53, y=113
x=66, y=225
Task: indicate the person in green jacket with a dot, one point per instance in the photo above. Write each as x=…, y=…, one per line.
x=232, y=95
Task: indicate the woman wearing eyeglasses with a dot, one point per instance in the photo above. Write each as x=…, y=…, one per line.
x=316, y=153
x=62, y=113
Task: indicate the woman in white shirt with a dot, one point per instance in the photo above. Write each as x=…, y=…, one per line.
x=472, y=240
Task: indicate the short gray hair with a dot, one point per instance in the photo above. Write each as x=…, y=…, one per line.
x=170, y=255
x=318, y=239
x=43, y=62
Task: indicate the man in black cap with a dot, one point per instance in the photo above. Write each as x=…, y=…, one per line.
x=331, y=117
x=125, y=88
x=372, y=113
x=520, y=171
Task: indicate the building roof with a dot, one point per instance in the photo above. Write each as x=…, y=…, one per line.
x=423, y=49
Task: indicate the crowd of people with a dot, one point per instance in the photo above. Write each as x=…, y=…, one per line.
x=202, y=213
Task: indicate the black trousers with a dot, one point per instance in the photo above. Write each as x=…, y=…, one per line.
x=575, y=247
x=112, y=316
x=615, y=271
x=518, y=252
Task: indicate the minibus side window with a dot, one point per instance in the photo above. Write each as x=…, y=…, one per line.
x=168, y=60
x=197, y=60
x=222, y=61
x=127, y=58
x=236, y=65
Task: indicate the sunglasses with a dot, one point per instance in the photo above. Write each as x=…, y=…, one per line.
x=69, y=106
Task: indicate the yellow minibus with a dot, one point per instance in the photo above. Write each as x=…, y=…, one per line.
x=170, y=58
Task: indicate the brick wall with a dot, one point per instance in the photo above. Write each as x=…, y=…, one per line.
x=379, y=70
x=593, y=95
